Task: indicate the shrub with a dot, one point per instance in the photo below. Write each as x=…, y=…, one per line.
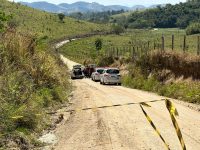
x=193, y=28
x=61, y=17
x=105, y=61
x=117, y=29
x=31, y=80
x=98, y=44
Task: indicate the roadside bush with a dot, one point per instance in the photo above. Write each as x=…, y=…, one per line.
x=193, y=28
x=32, y=82
x=105, y=61
x=153, y=80
x=117, y=29
x=141, y=24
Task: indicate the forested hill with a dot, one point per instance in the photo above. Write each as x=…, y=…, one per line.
x=170, y=16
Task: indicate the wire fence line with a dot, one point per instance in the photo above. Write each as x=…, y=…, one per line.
x=140, y=47
x=137, y=48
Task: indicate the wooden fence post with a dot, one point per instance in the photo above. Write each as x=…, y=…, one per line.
x=148, y=44
x=184, y=44
x=173, y=42
x=154, y=45
x=163, y=43
x=133, y=52
x=198, y=45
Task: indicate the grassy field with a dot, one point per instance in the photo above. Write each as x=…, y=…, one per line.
x=132, y=38
x=47, y=25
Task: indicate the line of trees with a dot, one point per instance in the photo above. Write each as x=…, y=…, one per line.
x=97, y=17
x=170, y=16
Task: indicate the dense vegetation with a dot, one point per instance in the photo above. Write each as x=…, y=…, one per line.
x=171, y=16
x=32, y=81
x=97, y=17
x=181, y=15
x=193, y=28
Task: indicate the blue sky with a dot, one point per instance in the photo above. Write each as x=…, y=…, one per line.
x=112, y=2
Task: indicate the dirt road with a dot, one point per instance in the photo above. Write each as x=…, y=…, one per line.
x=122, y=128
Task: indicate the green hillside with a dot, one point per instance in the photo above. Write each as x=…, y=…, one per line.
x=46, y=24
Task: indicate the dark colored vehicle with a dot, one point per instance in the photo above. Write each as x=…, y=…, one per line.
x=77, y=72
x=89, y=70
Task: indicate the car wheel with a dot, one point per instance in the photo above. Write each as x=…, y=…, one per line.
x=119, y=84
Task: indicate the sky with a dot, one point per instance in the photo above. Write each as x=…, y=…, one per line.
x=112, y=2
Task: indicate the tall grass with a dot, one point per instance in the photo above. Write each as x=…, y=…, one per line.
x=174, y=75
x=32, y=81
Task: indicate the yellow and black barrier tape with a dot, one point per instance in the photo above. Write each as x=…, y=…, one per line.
x=153, y=125
x=170, y=106
x=20, y=117
x=109, y=106
x=173, y=112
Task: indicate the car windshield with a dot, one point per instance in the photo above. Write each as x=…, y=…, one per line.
x=113, y=71
x=100, y=71
x=77, y=72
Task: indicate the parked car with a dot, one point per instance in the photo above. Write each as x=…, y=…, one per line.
x=89, y=69
x=77, y=72
x=110, y=76
x=96, y=74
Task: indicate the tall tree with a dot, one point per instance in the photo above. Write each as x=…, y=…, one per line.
x=98, y=44
x=61, y=17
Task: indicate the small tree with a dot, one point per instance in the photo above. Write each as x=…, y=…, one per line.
x=98, y=44
x=61, y=17
x=117, y=29
x=3, y=20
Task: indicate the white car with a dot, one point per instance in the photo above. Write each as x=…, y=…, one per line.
x=96, y=74
x=110, y=76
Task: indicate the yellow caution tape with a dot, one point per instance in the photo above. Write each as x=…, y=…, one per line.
x=145, y=104
x=78, y=110
x=17, y=117
x=94, y=109
x=115, y=105
x=153, y=125
x=173, y=112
